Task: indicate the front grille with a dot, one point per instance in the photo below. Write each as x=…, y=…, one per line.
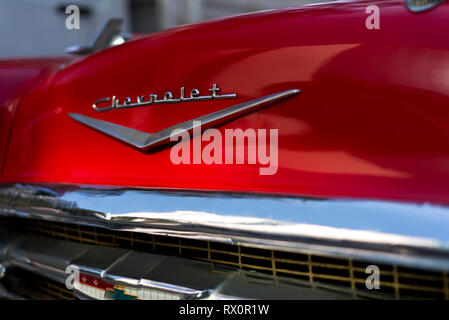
x=317, y=271
x=31, y=286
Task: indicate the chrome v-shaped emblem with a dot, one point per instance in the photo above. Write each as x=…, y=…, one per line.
x=145, y=141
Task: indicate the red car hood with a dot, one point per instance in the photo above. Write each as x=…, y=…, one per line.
x=372, y=119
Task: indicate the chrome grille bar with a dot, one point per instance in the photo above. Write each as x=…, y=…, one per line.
x=105, y=272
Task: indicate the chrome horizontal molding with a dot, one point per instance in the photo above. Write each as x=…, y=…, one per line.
x=387, y=232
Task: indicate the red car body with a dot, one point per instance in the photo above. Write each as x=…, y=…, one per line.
x=363, y=127
x=372, y=120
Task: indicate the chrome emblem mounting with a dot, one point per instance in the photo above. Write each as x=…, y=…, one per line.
x=152, y=98
x=422, y=5
x=144, y=141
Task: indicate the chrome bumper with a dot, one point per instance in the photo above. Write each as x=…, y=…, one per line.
x=396, y=233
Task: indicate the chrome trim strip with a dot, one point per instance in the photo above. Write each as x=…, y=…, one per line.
x=145, y=141
x=387, y=232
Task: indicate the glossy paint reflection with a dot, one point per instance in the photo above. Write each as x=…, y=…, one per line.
x=372, y=121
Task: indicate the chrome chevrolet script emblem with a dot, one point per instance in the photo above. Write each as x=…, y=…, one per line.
x=144, y=141
x=152, y=98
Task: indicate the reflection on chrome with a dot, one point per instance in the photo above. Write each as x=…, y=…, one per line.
x=400, y=233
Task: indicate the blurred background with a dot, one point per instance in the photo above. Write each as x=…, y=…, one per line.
x=37, y=27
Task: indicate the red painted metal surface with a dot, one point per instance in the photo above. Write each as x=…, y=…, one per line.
x=16, y=77
x=372, y=120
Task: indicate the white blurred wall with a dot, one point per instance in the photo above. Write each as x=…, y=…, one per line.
x=175, y=12
x=37, y=27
